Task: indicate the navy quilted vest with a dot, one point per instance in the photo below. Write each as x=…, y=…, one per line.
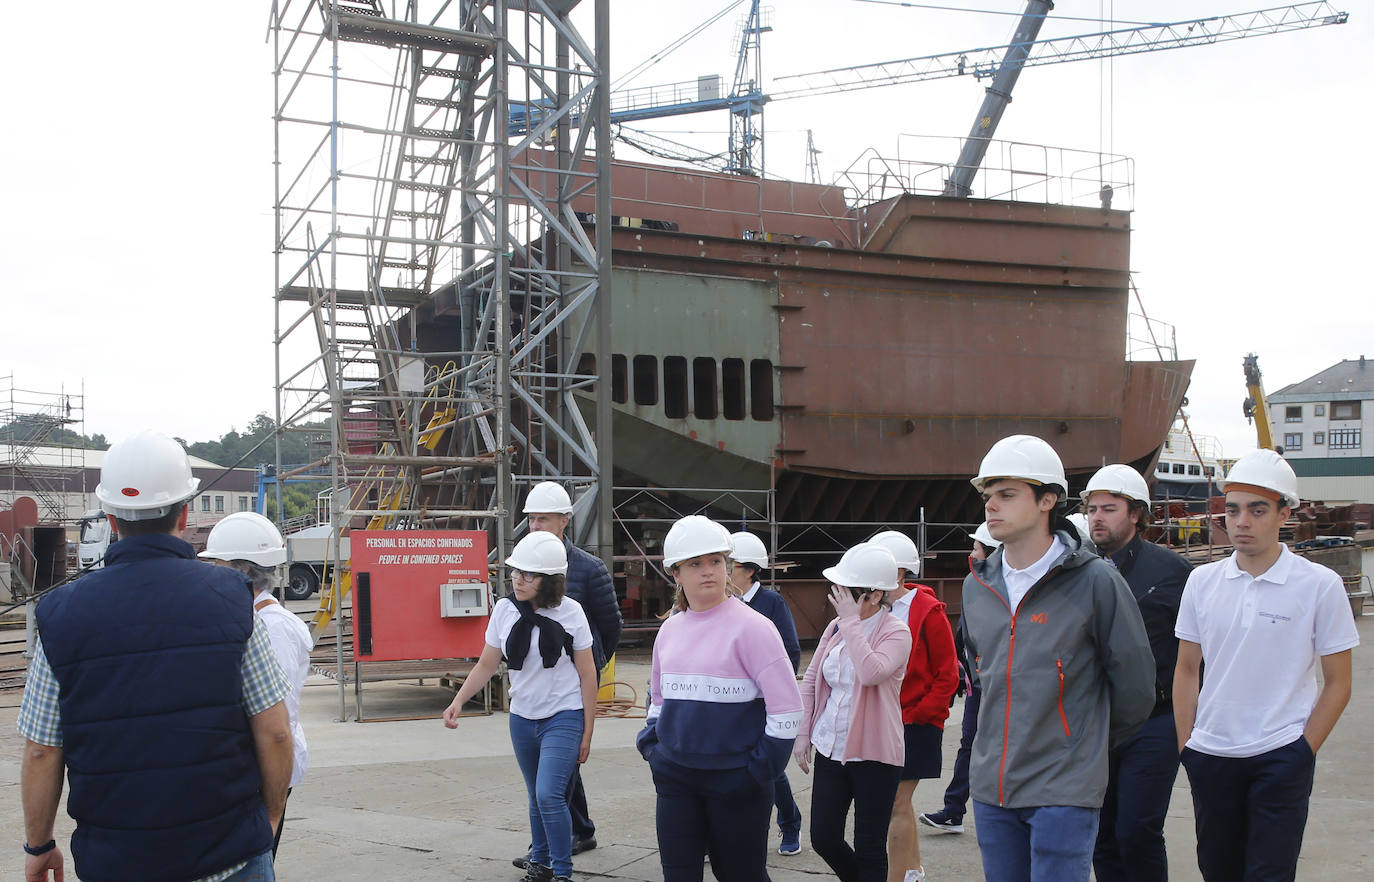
x=160, y=763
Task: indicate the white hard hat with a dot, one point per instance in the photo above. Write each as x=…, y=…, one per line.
x=1119, y=480
x=1024, y=458
x=246, y=535
x=983, y=535
x=1080, y=523
x=694, y=536
x=867, y=565
x=902, y=548
x=540, y=552
x=548, y=497
x=144, y=477
x=1266, y=469
x=749, y=549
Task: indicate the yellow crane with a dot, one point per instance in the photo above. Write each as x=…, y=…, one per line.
x=1256, y=406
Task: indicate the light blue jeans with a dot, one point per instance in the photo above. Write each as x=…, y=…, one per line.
x=547, y=753
x=1051, y=843
x=258, y=869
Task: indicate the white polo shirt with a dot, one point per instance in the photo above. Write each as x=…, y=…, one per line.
x=1020, y=582
x=1261, y=639
x=291, y=641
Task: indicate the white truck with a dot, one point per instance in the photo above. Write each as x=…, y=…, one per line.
x=307, y=552
x=96, y=535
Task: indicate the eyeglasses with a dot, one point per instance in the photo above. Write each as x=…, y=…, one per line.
x=522, y=576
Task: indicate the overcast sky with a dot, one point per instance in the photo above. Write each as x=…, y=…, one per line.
x=136, y=242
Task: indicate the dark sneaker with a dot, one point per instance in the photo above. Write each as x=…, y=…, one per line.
x=583, y=843
x=943, y=820
x=538, y=873
x=522, y=862
x=791, y=844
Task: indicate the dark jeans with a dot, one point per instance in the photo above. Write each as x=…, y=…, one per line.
x=1250, y=812
x=724, y=811
x=871, y=787
x=956, y=794
x=789, y=815
x=582, y=826
x=259, y=869
x=276, y=840
x=1049, y=843
x=1140, y=780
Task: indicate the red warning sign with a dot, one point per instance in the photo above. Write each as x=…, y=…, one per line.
x=419, y=594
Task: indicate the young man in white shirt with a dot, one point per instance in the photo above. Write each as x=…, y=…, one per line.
x=1259, y=620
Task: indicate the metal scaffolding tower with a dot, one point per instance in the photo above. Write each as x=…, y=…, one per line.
x=35, y=459
x=441, y=291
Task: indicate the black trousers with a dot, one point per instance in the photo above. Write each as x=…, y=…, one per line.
x=276, y=840
x=723, y=811
x=1250, y=812
x=871, y=788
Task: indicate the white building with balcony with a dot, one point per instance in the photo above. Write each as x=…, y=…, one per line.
x=1324, y=424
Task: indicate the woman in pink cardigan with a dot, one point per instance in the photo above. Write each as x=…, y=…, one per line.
x=852, y=716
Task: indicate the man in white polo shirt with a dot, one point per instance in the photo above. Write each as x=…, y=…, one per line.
x=1259, y=620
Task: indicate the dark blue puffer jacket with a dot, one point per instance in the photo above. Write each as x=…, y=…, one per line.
x=590, y=585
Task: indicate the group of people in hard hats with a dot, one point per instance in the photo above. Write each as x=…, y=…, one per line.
x=166, y=692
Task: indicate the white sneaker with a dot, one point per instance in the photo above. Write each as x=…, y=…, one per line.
x=916, y=875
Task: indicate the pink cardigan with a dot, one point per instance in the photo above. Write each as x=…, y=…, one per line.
x=875, y=715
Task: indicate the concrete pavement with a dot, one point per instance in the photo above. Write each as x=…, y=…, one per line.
x=415, y=801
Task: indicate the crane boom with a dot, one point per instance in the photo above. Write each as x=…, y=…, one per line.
x=997, y=98
x=986, y=62
x=1256, y=406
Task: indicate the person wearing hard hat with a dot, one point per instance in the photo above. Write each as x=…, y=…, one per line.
x=928, y=686
x=852, y=715
x=1260, y=620
x=749, y=556
x=950, y=819
x=1065, y=666
x=155, y=687
x=548, y=508
x=545, y=639
x=723, y=711
x=1141, y=771
x=252, y=544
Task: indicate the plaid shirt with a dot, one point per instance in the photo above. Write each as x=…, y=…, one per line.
x=264, y=684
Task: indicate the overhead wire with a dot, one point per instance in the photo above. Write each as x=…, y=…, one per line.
x=943, y=8
x=672, y=47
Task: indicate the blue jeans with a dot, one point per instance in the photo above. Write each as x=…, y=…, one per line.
x=546, y=751
x=1250, y=812
x=1130, y=837
x=258, y=869
x=1051, y=843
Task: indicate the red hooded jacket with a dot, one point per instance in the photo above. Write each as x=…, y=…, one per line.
x=932, y=671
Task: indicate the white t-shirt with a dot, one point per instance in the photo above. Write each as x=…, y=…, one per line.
x=291, y=643
x=537, y=692
x=1020, y=581
x=1261, y=639
x=830, y=735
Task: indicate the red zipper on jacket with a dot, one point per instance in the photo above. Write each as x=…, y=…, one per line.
x=1059, y=663
x=1011, y=654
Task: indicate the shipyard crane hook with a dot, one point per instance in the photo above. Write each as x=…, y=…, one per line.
x=1256, y=406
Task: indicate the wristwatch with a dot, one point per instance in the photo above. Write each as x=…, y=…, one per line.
x=42, y=849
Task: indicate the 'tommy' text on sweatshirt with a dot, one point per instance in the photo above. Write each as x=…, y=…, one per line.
x=722, y=693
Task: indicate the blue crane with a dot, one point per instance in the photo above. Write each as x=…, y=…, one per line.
x=1002, y=64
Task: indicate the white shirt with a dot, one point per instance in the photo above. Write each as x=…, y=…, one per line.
x=291, y=643
x=830, y=734
x=537, y=692
x=1261, y=639
x=901, y=607
x=1020, y=581
x=749, y=595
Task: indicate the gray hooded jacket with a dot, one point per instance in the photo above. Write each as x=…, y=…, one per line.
x=1065, y=676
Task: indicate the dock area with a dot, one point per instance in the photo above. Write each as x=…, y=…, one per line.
x=411, y=800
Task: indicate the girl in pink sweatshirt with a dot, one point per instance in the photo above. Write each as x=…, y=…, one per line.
x=852, y=716
x=723, y=712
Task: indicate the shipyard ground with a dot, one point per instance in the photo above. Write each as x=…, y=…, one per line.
x=414, y=801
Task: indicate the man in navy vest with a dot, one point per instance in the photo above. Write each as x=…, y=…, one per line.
x=154, y=686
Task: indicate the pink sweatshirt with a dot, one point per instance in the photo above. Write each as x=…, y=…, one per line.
x=875, y=714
